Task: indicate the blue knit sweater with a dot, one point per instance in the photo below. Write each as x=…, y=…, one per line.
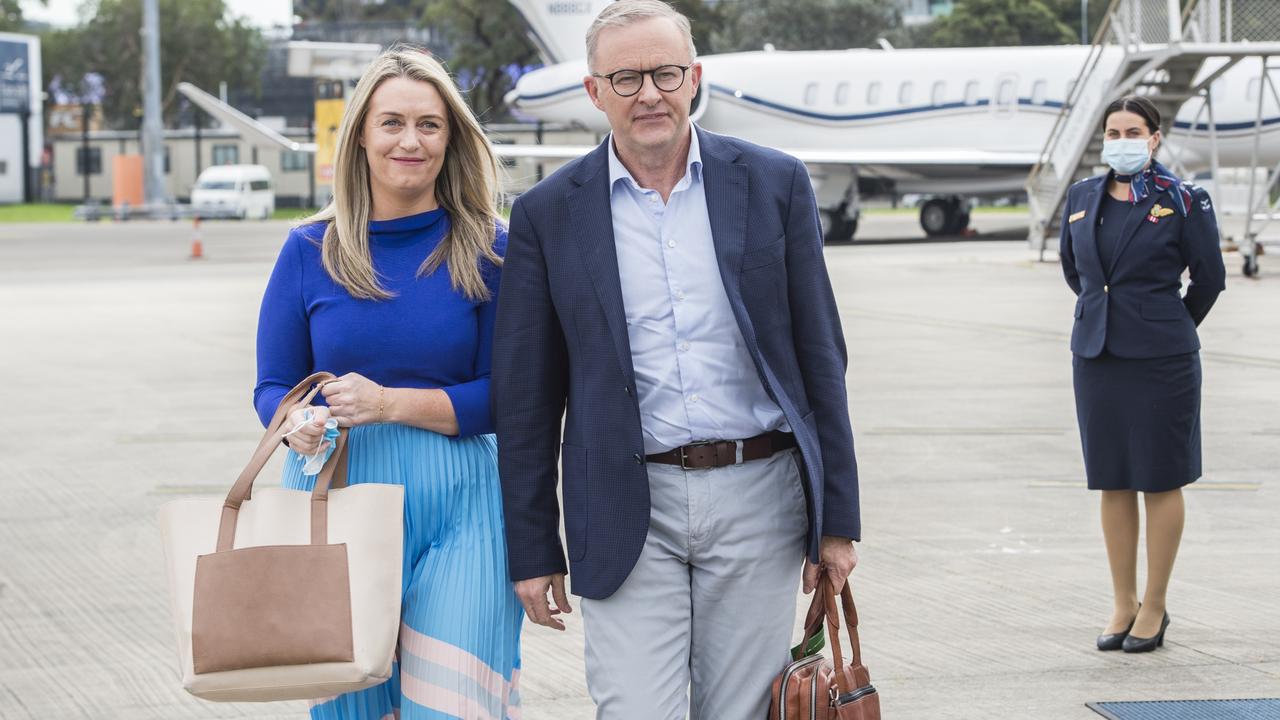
x=427, y=336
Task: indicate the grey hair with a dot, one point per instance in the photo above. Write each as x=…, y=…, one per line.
x=625, y=12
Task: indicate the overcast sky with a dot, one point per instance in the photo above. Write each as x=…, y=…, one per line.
x=263, y=13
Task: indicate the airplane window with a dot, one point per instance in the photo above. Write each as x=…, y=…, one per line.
x=873, y=93
x=842, y=93
x=971, y=92
x=811, y=94
x=904, y=93
x=1037, y=92
x=939, y=92
x=1005, y=95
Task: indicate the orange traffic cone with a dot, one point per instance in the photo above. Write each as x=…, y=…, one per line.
x=197, y=249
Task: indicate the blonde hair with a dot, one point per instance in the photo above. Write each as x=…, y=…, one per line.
x=625, y=12
x=467, y=187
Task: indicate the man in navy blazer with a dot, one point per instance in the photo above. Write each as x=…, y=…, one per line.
x=666, y=295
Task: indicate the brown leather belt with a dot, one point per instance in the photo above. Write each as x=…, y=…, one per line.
x=720, y=453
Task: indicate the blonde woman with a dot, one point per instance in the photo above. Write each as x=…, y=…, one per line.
x=392, y=288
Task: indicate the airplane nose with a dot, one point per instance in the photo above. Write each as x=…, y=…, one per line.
x=512, y=97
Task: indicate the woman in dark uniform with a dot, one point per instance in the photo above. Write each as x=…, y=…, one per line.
x=1127, y=237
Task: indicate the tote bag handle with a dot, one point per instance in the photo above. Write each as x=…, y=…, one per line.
x=333, y=473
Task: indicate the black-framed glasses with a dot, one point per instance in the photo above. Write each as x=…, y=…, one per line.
x=667, y=78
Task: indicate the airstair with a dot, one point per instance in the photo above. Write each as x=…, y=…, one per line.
x=1158, y=49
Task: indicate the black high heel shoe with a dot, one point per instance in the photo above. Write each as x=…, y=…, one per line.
x=1134, y=644
x=1115, y=641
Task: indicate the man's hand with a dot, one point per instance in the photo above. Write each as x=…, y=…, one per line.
x=838, y=560
x=533, y=596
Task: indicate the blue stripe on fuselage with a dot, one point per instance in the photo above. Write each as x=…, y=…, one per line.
x=899, y=112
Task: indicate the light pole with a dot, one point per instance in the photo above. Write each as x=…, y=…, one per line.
x=152, y=130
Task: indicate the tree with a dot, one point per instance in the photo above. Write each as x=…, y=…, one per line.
x=355, y=10
x=488, y=49
x=991, y=23
x=704, y=21
x=11, y=19
x=199, y=44
x=1068, y=11
x=805, y=24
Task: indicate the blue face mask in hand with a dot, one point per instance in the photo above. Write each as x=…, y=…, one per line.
x=1126, y=156
x=314, y=463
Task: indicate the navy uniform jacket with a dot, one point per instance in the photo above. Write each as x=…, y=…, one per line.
x=561, y=342
x=1132, y=309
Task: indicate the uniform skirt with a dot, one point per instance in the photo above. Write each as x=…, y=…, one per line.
x=1139, y=421
x=459, y=649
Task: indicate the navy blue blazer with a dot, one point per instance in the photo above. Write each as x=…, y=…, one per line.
x=561, y=349
x=1133, y=308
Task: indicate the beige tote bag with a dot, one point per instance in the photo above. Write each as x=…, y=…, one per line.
x=286, y=594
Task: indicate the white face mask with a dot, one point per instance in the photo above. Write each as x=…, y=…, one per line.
x=1126, y=155
x=314, y=463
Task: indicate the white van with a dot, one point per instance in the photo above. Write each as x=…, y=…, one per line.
x=242, y=191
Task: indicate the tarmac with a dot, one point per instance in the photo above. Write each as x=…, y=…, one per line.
x=983, y=580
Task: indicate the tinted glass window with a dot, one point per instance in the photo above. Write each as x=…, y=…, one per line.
x=1037, y=92
x=88, y=164
x=226, y=154
x=293, y=161
x=1005, y=95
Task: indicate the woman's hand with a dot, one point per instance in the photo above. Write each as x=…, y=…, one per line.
x=306, y=440
x=355, y=400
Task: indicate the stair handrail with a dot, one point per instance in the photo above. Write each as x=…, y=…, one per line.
x=1077, y=88
x=1100, y=43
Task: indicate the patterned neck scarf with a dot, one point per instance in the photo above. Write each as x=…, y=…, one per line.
x=1157, y=178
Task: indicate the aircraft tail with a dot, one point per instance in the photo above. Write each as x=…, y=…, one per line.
x=559, y=27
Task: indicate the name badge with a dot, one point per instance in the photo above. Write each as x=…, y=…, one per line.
x=1076, y=216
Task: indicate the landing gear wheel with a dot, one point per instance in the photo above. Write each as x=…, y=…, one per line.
x=959, y=223
x=838, y=227
x=936, y=217
x=1250, y=268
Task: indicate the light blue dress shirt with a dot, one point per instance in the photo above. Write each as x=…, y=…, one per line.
x=695, y=379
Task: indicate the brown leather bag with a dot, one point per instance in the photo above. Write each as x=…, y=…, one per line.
x=814, y=688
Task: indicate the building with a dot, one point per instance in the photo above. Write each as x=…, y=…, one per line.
x=292, y=172
x=74, y=162
x=21, y=117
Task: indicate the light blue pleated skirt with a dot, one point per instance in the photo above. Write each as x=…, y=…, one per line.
x=459, y=650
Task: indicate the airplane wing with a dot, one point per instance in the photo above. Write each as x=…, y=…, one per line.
x=541, y=152
x=915, y=158
x=254, y=132
x=882, y=158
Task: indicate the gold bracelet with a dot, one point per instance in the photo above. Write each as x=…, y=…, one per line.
x=381, y=401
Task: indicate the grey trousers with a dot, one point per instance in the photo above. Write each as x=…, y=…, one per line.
x=703, y=623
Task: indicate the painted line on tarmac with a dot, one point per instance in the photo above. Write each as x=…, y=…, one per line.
x=220, y=489
x=1018, y=331
x=958, y=431
x=1205, y=485
x=158, y=438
